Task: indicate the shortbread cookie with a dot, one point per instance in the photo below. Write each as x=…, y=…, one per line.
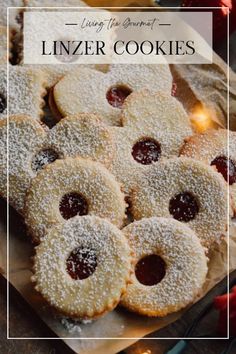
x=187, y=190
x=170, y=266
x=72, y=187
x=3, y=91
x=31, y=148
x=83, y=135
x=155, y=125
x=54, y=73
x=87, y=90
x=75, y=263
x=214, y=147
x=26, y=139
x=26, y=91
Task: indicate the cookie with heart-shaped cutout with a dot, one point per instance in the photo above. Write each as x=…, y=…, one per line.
x=87, y=90
x=31, y=148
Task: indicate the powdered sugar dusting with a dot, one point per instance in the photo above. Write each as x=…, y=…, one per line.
x=185, y=261
x=165, y=180
x=91, y=296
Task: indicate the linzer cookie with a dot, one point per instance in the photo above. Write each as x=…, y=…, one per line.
x=186, y=190
x=170, y=266
x=26, y=138
x=3, y=91
x=70, y=187
x=87, y=90
x=155, y=125
x=75, y=263
x=217, y=148
x=31, y=148
x=26, y=91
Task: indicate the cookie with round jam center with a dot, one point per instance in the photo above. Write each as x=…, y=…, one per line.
x=146, y=151
x=183, y=207
x=117, y=95
x=81, y=263
x=150, y=270
x=226, y=167
x=73, y=204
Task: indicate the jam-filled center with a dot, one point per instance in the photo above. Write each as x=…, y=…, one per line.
x=183, y=207
x=146, y=151
x=150, y=270
x=81, y=263
x=43, y=158
x=3, y=103
x=73, y=204
x=117, y=94
x=226, y=167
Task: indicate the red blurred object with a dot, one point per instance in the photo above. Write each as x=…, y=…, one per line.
x=219, y=15
x=220, y=303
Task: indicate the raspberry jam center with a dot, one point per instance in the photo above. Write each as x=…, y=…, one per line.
x=183, y=207
x=73, y=204
x=3, y=103
x=43, y=158
x=150, y=270
x=225, y=166
x=117, y=94
x=81, y=263
x=146, y=151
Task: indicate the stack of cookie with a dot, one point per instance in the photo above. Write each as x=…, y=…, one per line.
x=121, y=197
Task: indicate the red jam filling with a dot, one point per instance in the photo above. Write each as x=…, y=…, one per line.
x=3, y=103
x=150, y=270
x=146, y=151
x=117, y=94
x=43, y=158
x=73, y=204
x=81, y=263
x=183, y=207
x=226, y=167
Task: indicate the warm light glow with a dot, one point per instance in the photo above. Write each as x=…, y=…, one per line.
x=148, y=351
x=201, y=120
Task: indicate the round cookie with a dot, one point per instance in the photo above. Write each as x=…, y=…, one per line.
x=88, y=90
x=26, y=137
x=213, y=148
x=31, y=148
x=170, y=266
x=83, y=135
x=187, y=190
x=150, y=133
x=77, y=260
x=70, y=187
x=146, y=109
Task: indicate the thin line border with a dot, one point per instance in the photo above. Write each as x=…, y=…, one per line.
x=228, y=197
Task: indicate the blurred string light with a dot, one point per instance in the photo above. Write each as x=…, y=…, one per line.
x=201, y=119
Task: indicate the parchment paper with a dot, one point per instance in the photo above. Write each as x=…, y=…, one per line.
x=120, y=323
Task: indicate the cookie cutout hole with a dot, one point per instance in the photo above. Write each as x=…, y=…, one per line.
x=146, y=151
x=150, y=270
x=73, y=204
x=183, y=207
x=3, y=103
x=226, y=167
x=43, y=158
x=81, y=263
x=116, y=95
